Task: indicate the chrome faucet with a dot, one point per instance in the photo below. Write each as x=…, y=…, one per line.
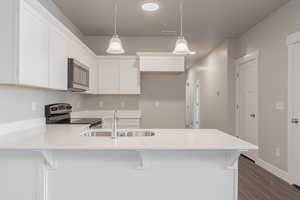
x=115, y=125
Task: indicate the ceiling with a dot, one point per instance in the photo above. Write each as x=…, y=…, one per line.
x=206, y=22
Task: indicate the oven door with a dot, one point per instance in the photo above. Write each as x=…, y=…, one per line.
x=78, y=76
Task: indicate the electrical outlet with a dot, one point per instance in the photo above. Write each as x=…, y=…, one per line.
x=100, y=104
x=34, y=106
x=277, y=152
x=157, y=104
x=122, y=104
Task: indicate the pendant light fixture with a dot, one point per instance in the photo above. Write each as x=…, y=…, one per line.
x=181, y=46
x=115, y=44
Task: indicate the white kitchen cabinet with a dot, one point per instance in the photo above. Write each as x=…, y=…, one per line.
x=161, y=62
x=129, y=77
x=93, y=76
x=76, y=51
x=58, y=59
x=109, y=76
x=37, y=46
x=33, y=47
x=119, y=75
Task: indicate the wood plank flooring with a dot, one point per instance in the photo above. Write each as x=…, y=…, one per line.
x=255, y=183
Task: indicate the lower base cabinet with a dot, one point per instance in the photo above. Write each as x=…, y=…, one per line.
x=114, y=175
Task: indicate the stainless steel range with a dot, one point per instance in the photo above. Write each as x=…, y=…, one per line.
x=60, y=113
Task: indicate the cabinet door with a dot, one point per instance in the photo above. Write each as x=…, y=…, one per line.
x=109, y=77
x=34, y=49
x=129, y=77
x=58, y=60
x=75, y=50
x=93, y=76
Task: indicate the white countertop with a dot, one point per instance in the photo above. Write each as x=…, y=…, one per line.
x=67, y=137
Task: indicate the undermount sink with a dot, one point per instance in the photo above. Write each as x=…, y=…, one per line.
x=120, y=134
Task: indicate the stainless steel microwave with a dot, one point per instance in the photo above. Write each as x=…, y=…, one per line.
x=78, y=76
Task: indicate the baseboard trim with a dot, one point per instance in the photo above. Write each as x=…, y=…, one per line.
x=21, y=125
x=274, y=170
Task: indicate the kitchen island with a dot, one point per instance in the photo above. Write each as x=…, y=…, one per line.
x=55, y=163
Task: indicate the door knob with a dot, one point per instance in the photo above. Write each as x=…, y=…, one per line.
x=252, y=115
x=295, y=121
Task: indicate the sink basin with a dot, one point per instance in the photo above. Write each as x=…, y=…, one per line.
x=94, y=133
x=120, y=134
x=136, y=134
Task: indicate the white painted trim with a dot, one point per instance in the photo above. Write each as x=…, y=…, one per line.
x=21, y=125
x=291, y=41
x=274, y=170
x=158, y=54
x=247, y=58
x=293, y=38
x=244, y=59
x=117, y=57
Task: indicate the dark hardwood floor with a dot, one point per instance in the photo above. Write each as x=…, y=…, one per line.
x=255, y=183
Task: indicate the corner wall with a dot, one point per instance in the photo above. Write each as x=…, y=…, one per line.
x=269, y=38
x=217, y=87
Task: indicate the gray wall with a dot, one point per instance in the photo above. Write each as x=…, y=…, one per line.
x=269, y=37
x=167, y=89
x=16, y=103
x=217, y=88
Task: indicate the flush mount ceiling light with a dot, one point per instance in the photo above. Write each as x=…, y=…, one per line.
x=181, y=46
x=115, y=44
x=150, y=5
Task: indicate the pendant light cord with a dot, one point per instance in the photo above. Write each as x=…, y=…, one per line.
x=181, y=14
x=115, y=17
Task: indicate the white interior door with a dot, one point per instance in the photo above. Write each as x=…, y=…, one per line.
x=247, y=93
x=294, y=140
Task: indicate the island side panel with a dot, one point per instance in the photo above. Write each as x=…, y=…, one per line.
x=146, y=175
x=20, y=175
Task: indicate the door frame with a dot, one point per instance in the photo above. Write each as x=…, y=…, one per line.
x=290, y=41
x=247, y=58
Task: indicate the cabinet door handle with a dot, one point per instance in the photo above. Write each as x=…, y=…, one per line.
x=252, y=115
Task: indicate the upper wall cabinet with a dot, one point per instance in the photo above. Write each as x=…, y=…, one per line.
x=58, y=59
x=119, y=75
x=161, y=62
x=33, y=47
x=37, y=47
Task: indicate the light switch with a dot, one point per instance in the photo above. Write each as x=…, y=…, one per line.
x=279, y=105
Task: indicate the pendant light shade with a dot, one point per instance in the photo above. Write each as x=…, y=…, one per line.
x=181, y=46
x=115, y=44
